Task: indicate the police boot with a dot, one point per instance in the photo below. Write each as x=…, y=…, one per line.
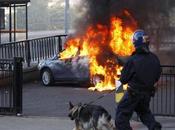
x=157, y=126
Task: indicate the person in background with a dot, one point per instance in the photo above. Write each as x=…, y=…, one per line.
x=140, y=72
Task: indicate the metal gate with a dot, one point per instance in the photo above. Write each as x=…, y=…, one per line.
x=11, y=75
x=163, y=103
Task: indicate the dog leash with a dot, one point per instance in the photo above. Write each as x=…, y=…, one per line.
x=91, y=102
x=100, y=97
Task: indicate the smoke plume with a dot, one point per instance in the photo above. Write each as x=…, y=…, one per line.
x=147, y=13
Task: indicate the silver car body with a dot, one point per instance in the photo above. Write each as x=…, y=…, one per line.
x=73, y=69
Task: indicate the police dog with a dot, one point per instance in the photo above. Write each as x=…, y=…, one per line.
x=90, y=117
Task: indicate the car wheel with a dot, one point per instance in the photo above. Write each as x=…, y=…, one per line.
x=46, y=77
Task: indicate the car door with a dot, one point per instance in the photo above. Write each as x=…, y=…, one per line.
x=80, y=68
x=63, y=70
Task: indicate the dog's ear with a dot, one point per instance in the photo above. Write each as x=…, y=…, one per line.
x=70, y=105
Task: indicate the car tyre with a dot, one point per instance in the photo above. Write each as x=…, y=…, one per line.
x=47, y=77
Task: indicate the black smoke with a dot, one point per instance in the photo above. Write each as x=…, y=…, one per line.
x=147, y=13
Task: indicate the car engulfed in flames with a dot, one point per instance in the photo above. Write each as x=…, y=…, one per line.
x=70, y=70
x=102, y=44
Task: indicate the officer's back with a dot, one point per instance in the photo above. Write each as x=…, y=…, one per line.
x=146, y=69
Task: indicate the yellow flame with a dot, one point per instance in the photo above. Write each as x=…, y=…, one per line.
x=121, y=38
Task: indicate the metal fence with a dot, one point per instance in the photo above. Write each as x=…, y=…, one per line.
x=163, y=104
x=11, y=75
x=33, y=50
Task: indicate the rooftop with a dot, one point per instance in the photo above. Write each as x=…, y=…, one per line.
x=6, y=3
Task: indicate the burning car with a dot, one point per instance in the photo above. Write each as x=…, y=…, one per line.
x=70, y=70
x=74, y=70
x=94, y=51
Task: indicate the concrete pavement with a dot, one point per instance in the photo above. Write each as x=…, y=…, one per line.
x=57, y=123
x=34, y=123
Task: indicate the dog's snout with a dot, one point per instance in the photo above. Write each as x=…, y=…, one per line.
x=70, y=116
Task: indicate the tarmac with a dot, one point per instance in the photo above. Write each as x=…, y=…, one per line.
x=46, y=109
x=61, y=123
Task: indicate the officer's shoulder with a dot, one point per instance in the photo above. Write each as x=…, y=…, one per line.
x=154, y=55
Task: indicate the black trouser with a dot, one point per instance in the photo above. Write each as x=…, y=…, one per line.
x=140, y=104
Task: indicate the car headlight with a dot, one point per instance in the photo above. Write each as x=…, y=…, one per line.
x=40, y=65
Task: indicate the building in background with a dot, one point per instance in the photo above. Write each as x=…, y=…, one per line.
x=10, y=26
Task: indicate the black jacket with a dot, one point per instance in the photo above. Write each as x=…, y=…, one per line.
x=142, y=70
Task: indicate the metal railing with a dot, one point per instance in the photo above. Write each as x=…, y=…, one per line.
x=11, y=75
x=163, y=103
x=33, y=50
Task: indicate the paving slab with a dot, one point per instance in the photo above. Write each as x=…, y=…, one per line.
x=61, y=123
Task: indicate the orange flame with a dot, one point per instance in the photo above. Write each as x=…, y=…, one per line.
x=101, y=44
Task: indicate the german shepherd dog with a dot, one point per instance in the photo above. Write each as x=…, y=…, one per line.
x=90, y=117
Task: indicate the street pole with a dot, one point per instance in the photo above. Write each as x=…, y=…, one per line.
x=14, y=22
x=26, y=21
x=66, y=17
x=1, y=17
x=10, y=23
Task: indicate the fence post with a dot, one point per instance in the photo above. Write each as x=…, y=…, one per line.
x=28, y=53
x=59, y=44
x=18, y=83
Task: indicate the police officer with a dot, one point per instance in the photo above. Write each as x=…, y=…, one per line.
x=141, y=72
